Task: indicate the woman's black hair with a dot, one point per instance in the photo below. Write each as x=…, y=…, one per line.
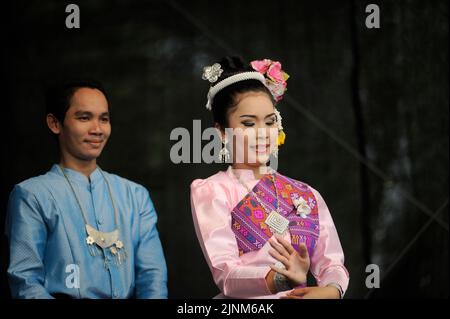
x=226, y=98
x=58, y=97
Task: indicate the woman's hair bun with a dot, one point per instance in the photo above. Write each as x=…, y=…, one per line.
x=233, y=64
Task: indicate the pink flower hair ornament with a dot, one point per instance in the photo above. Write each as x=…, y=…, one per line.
x=275, y=77
x=276, y=83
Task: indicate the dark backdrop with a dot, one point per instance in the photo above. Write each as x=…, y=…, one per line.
x=366, y=116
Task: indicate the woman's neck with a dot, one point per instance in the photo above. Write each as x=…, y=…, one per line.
x=258, y=171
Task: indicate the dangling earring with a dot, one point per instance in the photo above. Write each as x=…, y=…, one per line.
x=275, y=151
x=280, y=141
x=281, y=135
x=224, y=154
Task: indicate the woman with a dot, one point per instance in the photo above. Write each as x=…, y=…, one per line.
x=261, y=231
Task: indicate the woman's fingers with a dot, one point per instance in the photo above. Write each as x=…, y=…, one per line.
x=285, y=244
x=299, y=291
x=280, y=270
x=279, y=257
x=303, y=250
x=279, y=248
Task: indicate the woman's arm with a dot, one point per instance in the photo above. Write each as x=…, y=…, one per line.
x=212, y=221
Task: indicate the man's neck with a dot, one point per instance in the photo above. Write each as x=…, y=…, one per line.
x=84, y=167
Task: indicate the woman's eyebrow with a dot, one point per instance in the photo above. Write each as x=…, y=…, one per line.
x=254, y=116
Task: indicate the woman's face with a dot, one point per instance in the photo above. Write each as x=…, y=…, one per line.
x=254, y=128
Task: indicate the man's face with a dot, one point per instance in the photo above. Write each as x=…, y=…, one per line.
x=86, y=126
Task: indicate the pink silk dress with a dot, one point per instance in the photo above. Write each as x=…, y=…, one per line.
x=230, y=227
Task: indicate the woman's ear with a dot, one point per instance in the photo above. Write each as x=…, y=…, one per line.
x=220, y=131
x=53, y=124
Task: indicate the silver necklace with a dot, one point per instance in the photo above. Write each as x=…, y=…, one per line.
x=276, y=222
x=97, y=239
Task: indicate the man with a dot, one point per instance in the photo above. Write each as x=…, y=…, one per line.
x=77, y=231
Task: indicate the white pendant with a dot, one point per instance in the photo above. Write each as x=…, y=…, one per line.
x=277, y=222
x=105, y=240
x=102, y=239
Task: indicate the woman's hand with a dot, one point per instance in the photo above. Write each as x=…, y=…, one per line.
x=328, y=292
x=296, y=263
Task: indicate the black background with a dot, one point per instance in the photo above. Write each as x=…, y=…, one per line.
x=366, y=116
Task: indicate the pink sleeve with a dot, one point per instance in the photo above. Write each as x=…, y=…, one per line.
x=327, y=261
x=212, y=220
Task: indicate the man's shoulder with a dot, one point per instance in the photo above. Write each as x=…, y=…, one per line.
x=35, y=184
x=125, y=182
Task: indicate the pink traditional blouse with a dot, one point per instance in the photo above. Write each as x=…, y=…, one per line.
x=230, y=227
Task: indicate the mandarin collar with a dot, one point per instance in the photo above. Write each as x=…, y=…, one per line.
x=78, y=177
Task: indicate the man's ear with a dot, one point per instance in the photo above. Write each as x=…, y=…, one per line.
x=53, y=124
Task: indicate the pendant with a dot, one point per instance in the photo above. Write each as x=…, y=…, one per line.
x=277, y=222
x=102, y=239
x=118, y=252
x=106, y=240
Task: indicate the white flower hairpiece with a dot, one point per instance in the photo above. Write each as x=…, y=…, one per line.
x=212, y=72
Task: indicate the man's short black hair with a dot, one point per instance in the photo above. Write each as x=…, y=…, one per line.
x=58, y=97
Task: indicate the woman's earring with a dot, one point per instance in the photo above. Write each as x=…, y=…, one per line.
x=224, y=154
x=275, y=151
x=280, y=141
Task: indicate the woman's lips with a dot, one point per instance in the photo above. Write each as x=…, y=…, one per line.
x=261, y=149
